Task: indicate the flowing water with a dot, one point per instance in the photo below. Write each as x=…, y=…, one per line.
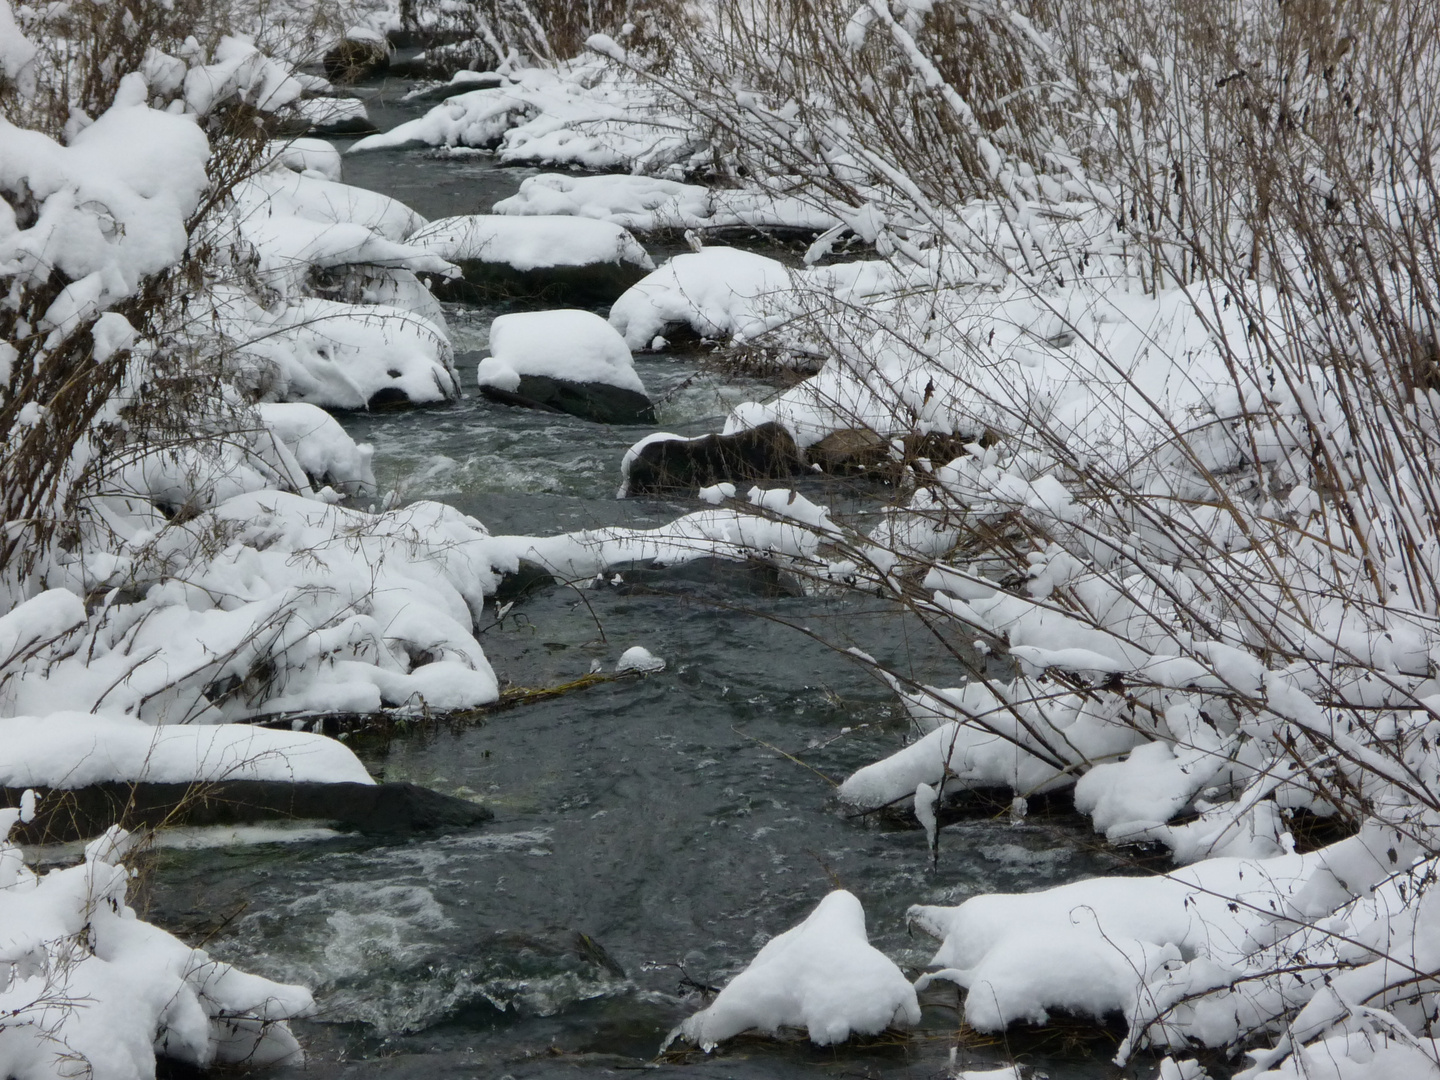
x=649, y=835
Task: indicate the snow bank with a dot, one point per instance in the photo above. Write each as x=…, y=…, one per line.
x=585, y=113
x=535, y=243
x=577, y=346
x=146, y=168
x=74, y=750
x=269, y=604
x=646, y=203
x=1092, y=948
x=822, y=975
x=94, y=987
x=718, y=292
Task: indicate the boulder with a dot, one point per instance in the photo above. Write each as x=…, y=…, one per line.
x=766, y=452
x=600, y=402
x=377, y=809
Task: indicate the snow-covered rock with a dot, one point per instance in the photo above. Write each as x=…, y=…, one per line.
x=568, y=360
x=532, y=243
x=638, y=658
x=316, y=157
x=663, y=462
x=822, y=975
x=717, y=292
x=578, y=346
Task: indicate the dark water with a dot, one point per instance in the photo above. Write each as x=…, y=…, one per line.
x=649, y=835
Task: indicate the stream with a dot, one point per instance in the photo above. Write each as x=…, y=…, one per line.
x=649, y=835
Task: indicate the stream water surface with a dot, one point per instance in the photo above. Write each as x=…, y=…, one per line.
x=649, y=835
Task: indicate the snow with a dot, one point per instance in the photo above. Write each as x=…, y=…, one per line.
x=718, y=292
x=648, y=203
x=320, y=445
x=93, y=985
x=73, y=750
x=583, y=113
x=323, y=112
x=308, y=156
x=340, y=355
x=147, y=168
x=269, y=604
x=577, y=346
x=286, y=194
x=534, y=243
x=822, y=975
x=639, y=658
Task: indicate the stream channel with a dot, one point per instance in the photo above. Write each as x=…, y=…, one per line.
x=648, y=836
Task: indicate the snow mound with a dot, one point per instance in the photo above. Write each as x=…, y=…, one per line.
x=577, y=346
x=145, y=168
x=74, y=750
x=342, y=355
x=321, y=446
x=315, y=157
x=533, y=243
x=718, y=292
x=647, y=203
x=639, y=658
x=282, y=193
x=476, y=119
x=1106, y=945
x=822, y=975
x=93, y=989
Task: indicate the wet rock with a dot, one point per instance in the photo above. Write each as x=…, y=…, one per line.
x=600, y=402
x=356, y=56
x=850, y=450
x=377, y=809
x=766, y=452
x=388, y=397
x=344, y=125
x=563, y=286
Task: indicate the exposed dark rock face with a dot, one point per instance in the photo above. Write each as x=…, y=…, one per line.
x=599, y=402
x=589, y=286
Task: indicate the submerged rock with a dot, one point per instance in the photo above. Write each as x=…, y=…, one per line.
x=766, y=452
x=376, y=809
